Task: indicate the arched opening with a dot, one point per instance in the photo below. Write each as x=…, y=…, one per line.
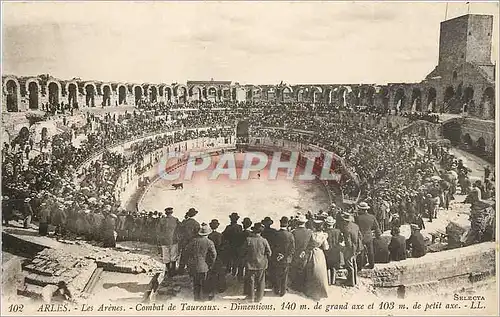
x=416, y=100
x=212, y=94
x=122, y=95
x=355, y=96
x=346, y=96
x=286, y=94
x=489, y=103
x=300, y=95
x=137, y=94
x=12, y=94
x=153, y=94
x=242, y=132
x=399, y=100
x=53, y=94
x=449, y=94
x=196, y=93
x=481, y=145
x=168, y=94
x=44, y=133
x=72, y=94
x=270, y=94
x=89, y=95
x=468, y=99
x=106, y=95
x=316, y=95
x=226, y=93
x=452, y=131
x=33, y=95
x=181, y=94
x=431, y=100
x=24, y=134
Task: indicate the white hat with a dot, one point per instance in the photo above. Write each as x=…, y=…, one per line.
x=363, y=205
x=302, y=218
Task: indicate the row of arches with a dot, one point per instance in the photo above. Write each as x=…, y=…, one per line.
x=454, y=100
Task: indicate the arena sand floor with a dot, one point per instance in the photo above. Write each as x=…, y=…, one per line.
x=255, y=197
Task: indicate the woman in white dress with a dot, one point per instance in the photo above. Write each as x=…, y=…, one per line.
x=316, y=276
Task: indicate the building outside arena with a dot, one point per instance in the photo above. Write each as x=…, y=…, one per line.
x=219, y=196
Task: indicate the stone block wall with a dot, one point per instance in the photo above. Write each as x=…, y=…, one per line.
x=434, y=269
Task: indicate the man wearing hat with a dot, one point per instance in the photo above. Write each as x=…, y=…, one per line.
x=353, y=240
x=334, y=257
x=232, y=238
x=217, y=274
x=284, y=248
x=247, y=223
x=256, y=250
x=269, y=234
x=397, y=246
x=200, y=255
x=302, y=236
x=416, y=242
x=168, y=239
x=367, y=223
x=188, y=230
x=27, y=213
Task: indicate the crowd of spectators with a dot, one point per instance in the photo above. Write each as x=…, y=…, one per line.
x=380, y=164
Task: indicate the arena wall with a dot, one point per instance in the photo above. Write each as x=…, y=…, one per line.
x=435, y=271
x=128, y=183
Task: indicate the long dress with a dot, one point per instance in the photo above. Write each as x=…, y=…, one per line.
x=316, y=276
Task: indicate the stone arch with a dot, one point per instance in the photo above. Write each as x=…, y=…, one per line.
x=54, y=91
x=138, y=93
x=416, y=99
x=449, y=95
x=106, y=94
x=90, y=92
x=431, y=99
x=468, y=99
x=399, y=100
x=153, y=93
x=196, y=93
x=167, y=93
x=212, y=93
x=122, y=94
x=452, y=130
x=384, y=97
x=181, y=93
x=33, y=89
x=12, y=90
x=286, y=93
x=488, y=101
x=300, y=94
x=316, y=94
x=72, y=89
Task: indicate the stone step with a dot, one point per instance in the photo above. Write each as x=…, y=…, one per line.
x=31, y=291
x=44, y=268
x=42, y=280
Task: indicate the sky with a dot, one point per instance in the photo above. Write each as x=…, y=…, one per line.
x=245, y=42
